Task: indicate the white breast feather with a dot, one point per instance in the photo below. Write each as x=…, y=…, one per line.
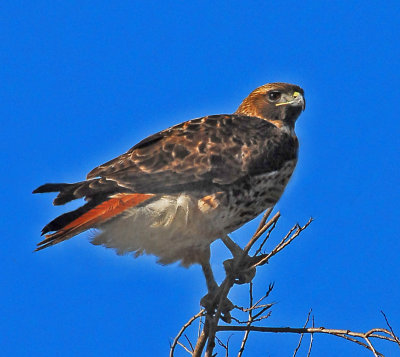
x=165, y=227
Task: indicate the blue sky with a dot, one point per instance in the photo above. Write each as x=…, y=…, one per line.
x=82, y=82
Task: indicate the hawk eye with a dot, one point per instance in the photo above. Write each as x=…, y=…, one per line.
x=273, y=96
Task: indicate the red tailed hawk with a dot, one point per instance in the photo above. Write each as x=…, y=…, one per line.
x=177, y=191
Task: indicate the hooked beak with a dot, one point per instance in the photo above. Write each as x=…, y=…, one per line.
x=295, y=100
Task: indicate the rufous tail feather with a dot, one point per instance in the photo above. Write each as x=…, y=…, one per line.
x=106, y=210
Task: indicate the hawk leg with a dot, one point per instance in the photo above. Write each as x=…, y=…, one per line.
x=212, y=285
x=242, y=274
x=212, y=298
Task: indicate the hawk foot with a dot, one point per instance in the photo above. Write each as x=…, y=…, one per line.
x=242, y=274
x=210, y=303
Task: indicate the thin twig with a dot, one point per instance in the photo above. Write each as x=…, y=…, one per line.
x=311, y=339
x=239, y=321
x=301, y=336
x=182, y=330
x=282, y=244
x=391, y=330
x=264, y=218
x=357, y=342
x=372, y=333
x=258, y=316
x=259, y=249
x=184, y=347
x=200, y=324
x=249, y=321
x=189, y=342
x=226, y=347
x=255, y=306
x=259, y=233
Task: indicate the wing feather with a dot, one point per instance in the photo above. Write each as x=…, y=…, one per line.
x=216, y=150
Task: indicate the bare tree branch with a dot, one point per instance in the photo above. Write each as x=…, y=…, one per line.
x=259, y=310
x=371, y=347
x=201, y=341
x=335, y=332
x=227, y=284
x=311, y=330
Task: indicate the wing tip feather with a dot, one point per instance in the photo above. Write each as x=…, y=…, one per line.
x=51, y=187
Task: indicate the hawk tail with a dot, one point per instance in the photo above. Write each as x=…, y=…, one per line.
x=91, y=215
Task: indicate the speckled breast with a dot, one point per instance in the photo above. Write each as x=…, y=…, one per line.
x=254, y=194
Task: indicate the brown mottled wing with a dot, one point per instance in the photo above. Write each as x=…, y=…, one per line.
x=214, y=150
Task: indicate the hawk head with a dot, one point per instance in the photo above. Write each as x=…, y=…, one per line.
x=279, y=103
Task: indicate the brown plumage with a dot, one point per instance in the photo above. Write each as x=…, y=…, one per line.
x=177, y=191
